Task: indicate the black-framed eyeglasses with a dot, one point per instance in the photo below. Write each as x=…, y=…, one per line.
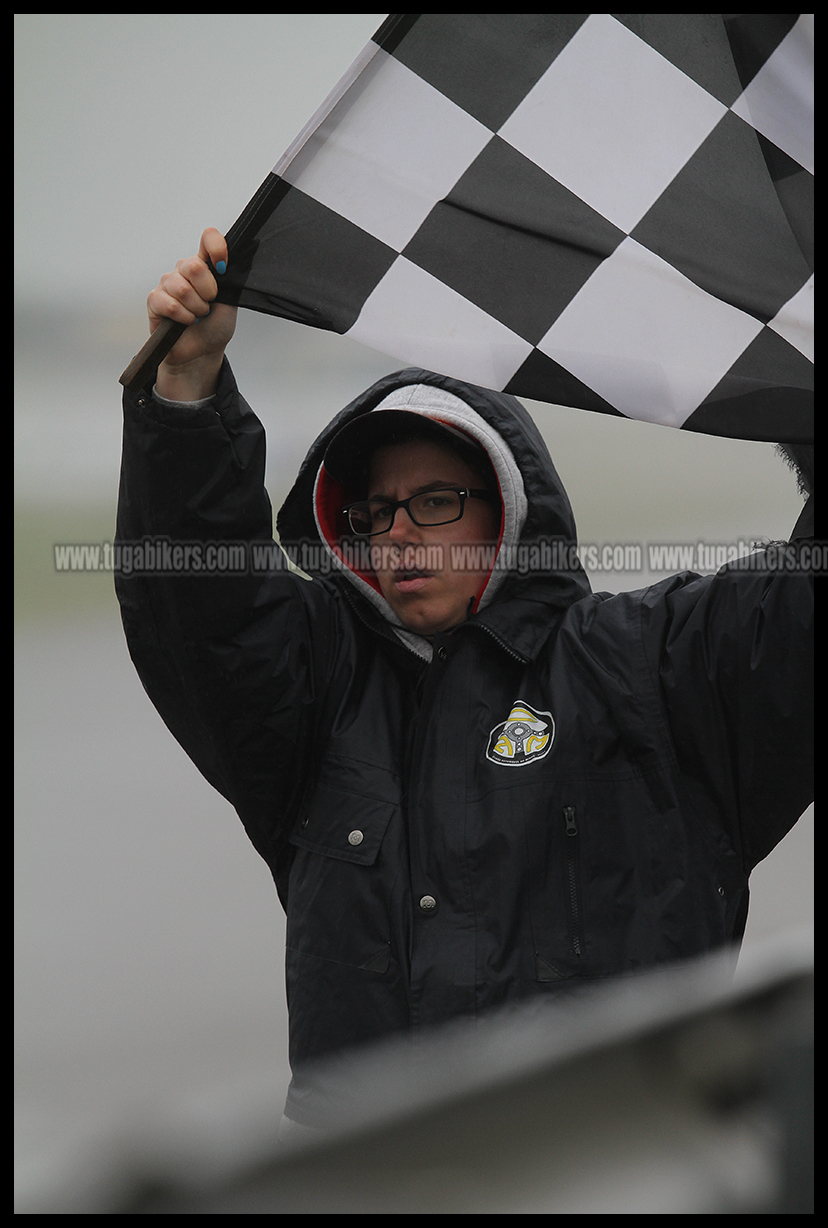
x=370, y=517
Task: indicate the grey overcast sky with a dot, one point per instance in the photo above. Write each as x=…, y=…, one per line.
x=135, y=131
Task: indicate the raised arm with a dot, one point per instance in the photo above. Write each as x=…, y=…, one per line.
x=191, y=369
x=233, y=657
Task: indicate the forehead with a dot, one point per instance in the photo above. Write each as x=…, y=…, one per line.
x=416, y=464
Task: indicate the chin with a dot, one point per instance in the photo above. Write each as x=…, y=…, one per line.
x=425, y=616
x=427, y=623
x=420, y=626
x=421, y=622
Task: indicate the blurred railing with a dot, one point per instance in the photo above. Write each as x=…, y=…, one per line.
x=685, y=1091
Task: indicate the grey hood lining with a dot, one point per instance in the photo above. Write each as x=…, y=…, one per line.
x=442, y=405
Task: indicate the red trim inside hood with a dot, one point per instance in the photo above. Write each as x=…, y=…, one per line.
x=330, y=498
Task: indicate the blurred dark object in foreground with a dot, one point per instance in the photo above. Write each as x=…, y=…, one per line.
x=686, y=1091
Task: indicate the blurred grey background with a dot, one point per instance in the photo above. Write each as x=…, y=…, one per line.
x=149, y=990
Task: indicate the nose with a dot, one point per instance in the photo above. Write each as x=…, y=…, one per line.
x=402, y=526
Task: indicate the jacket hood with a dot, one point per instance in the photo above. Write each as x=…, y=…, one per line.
x=536, y=566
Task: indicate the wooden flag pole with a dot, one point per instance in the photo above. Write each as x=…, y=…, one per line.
x=152, y=354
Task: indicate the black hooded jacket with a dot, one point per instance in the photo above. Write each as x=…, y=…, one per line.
x=567, y=786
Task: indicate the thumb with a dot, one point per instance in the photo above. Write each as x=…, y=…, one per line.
x=213, y=249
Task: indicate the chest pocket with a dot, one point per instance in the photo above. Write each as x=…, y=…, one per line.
x=338, y=906
x=344, y=825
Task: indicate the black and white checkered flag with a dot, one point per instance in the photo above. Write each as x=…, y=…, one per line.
x=607, y=212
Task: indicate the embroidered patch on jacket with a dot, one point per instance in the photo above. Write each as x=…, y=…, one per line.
x=525, y=736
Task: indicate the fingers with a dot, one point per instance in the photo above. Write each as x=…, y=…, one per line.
x=185, y=294
x=189, y=290
x=213, y=245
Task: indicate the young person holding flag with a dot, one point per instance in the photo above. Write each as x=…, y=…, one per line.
x=473, y=787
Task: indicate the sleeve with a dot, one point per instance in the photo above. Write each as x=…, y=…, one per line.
x=733, y=658
x=234, y=656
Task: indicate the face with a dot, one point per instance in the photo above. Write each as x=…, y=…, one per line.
x=427, y=583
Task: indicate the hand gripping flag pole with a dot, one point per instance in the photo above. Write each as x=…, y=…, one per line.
x=164, y=337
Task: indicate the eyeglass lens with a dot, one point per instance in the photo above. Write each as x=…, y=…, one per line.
x=432, y=507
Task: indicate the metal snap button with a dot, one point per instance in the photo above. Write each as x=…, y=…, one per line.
x=356, y=837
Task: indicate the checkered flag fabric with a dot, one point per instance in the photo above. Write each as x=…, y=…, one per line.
x=607, y=212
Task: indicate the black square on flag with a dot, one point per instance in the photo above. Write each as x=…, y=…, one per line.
x=492, y=240
x=795, y=189
x=486, y=62
x=745, y=404
x=540, y=378
x=720, y=223
x=753, y=39
x=323, y=265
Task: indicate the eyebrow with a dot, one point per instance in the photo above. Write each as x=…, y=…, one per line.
x=421, y=490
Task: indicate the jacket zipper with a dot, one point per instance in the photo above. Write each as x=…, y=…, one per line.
x=502, y=643
x=572, y=873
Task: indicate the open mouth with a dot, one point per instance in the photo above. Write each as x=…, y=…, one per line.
x=411, y=581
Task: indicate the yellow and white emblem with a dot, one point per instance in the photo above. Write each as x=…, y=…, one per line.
x=525, y=736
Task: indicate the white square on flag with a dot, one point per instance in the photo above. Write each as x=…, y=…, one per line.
x=779, y=101
x=393, y=147
x=795, y=321
x=447, y=327
x=649, y=341
x=612, y=120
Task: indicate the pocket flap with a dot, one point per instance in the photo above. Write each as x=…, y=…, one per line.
x=343, y=825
